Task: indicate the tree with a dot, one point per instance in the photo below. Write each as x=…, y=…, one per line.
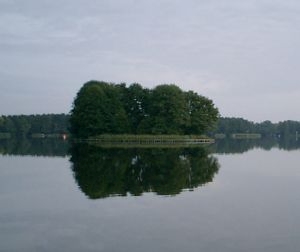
x=168, y=110
x=266, y=128
x=136, y=103
x=229, y=126
x=202, y=112
x=22, y=125
x=97, y=109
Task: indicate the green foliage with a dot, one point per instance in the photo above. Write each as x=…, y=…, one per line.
x=202, y=113
x=229, y=126
x=168, y=110
x=136, y=103
x=27, y=125
x=97, y=109
x=288, y=128
x=106, y=108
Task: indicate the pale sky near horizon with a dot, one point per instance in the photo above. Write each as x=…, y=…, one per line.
x=244, y=55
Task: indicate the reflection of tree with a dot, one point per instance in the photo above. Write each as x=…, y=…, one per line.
x=58, y=147
x=102, y=172
x=289, y=143
x=243, y=145
x=34, y=147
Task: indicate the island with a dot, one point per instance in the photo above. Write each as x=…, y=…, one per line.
x=108, y=109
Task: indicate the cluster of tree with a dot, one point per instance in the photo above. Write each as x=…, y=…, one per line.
x=101, y=107
x=230, y=126
x=26, y=125
x=103, y=172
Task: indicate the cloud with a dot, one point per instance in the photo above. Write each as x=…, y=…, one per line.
x=228, y=50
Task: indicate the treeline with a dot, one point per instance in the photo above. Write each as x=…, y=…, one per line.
x=107, y=108
x=114, y=109
x=30, y=125
x=229, y=126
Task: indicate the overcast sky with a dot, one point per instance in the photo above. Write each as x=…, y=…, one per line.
x=244, y=55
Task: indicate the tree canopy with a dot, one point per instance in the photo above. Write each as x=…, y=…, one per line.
x=108, y=108
x=231, y=125
x=27, y=125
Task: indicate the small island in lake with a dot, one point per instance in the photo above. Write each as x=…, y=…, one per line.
x=120, y=113
x=102, y=108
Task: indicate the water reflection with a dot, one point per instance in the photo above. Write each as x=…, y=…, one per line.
x=102, y=172
x=58, y=147
x=242, y=145
x=34, y=147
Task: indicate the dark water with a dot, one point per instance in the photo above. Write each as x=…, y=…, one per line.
x=231, y=196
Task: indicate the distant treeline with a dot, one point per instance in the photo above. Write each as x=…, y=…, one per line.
x=229, y=126
x=31, y=125
x=51, y=124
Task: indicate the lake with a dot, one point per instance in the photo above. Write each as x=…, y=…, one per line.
x=240, y=195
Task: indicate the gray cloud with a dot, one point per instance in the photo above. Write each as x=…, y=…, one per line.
x=242, y=54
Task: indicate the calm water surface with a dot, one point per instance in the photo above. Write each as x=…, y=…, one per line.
x=98, y=199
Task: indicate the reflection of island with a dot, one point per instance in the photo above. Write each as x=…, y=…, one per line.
x=102, y=172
